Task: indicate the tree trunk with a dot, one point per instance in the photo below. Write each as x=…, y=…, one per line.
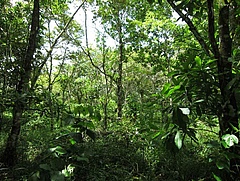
x=229, y=116
x=120, y=69
x=229, y=105
x=9, y=156
x=228, y=112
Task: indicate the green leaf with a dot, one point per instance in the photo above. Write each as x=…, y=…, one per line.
x=45, y=166
x=150, y=1
x=82, y=159
x=229, y=140
x=223, y=164
x=200, y=100
x=160, y=2
x=59, y=150
x=97, y=116
x=231, y=83
x=72, y=141
x=178, y=140
x=157, y=135
x=165, y=88
x=198, y=61
x=171, y=91
x=217, y=178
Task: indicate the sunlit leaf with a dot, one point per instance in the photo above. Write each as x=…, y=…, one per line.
x=171, y=91
x=178, y=140
x=198, y=61
x=229, y=140
x=185, y=111
x=58, y=149
x=217, y=178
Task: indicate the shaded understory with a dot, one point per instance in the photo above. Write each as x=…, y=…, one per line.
x=113, y=156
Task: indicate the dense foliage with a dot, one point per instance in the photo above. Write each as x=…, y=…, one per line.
x=161, y=103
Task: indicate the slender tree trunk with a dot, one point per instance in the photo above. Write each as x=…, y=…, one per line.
x=120, y=95
x=9, y=156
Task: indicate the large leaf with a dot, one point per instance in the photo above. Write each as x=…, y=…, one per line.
x=229, y=140
x=185, y=111
x=178, y=140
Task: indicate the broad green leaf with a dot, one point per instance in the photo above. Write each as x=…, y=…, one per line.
x=178, y=140
x=229, y=140
x=198, y=61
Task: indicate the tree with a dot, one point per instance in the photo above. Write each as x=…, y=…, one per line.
x=221, y=51
x=22, y=89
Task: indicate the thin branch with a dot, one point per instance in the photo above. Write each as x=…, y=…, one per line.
x=192, y=28
x=87, y=52
x=54, y=44
x=60, y=67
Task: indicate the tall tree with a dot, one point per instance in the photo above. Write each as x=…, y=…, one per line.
x=221, y=51
x=22, y=89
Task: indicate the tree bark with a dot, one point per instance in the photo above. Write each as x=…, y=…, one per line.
x=9, y=156
x=229, y=105
x=229, y=116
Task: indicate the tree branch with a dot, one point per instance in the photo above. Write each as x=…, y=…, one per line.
x=192, y=28
x=87, y=52
x=53, y=46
